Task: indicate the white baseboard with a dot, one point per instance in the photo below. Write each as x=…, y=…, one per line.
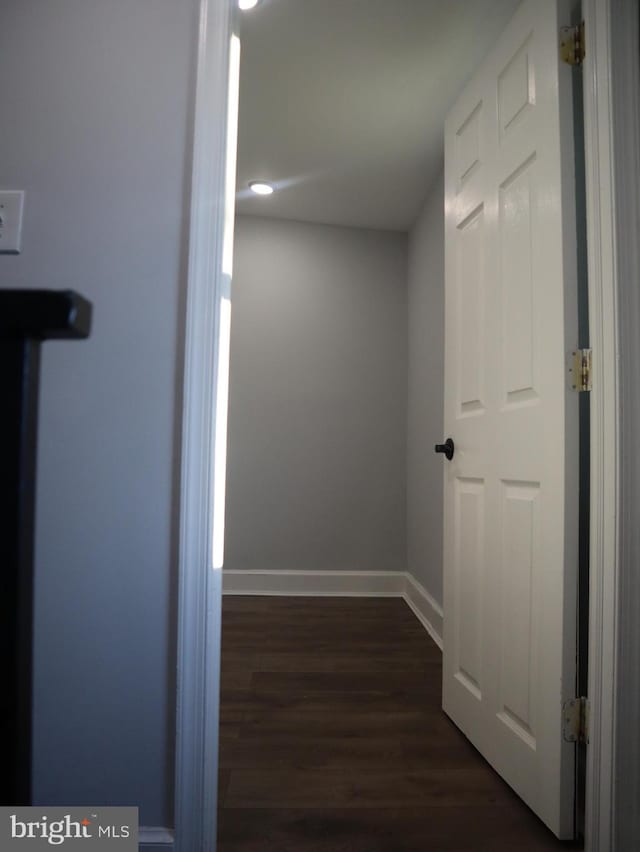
x=155, y=837
x=313, y=583
x=426, y=609
x=396, y=584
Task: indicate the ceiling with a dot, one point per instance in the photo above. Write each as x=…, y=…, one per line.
x=342, y=102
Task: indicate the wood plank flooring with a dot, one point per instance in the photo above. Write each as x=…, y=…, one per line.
x=332, y=738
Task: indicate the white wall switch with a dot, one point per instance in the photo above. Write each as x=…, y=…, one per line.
x=11, y=204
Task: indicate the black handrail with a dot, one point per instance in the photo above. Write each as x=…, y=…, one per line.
x=27, y=317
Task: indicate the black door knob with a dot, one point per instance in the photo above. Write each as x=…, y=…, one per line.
x=447, y=448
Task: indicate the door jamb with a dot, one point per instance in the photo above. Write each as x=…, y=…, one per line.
x=612, y=139
x=604, y=431
x=200, y=588
x=199, y=578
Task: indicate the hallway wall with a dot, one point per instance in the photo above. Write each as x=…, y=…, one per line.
x=316, y=472
x=426, y=393
x=95, y=128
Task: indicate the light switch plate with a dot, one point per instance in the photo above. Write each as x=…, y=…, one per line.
x=11, y=205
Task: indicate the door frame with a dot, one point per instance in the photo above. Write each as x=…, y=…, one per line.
x=612, y=140
x=199, y=580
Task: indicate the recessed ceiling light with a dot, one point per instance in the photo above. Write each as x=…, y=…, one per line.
x=245, y=5
x=260, y=187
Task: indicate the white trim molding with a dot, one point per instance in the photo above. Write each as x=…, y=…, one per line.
x=394, y=584
x=425, y=607
x=314, y=583
x=155, y=837
x=612, y=141
x=604, y=429
x=625, y=121
x=199, y=578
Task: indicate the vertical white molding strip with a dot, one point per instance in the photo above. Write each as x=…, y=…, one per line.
x=200, y=586
x=625, y=76
x=603, y=323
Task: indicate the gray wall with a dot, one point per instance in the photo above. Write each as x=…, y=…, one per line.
x=95, y=128
x=317, y=420
x=426, y=393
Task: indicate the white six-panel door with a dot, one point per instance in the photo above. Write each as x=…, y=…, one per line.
x=511, y=490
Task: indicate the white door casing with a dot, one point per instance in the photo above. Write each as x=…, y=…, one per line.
x=511, y=490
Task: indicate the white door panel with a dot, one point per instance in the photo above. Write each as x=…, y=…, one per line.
x=511, y=490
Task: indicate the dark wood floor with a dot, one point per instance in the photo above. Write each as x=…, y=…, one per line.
x=332, y=738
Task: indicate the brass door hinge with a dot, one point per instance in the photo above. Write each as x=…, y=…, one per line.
x=575, y=720
x=572, y=46
x=580, y=370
